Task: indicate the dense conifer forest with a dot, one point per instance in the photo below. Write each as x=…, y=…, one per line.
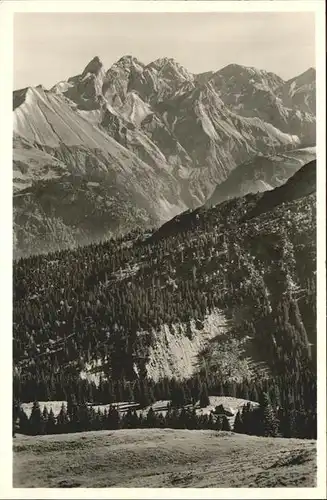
x=103, y=302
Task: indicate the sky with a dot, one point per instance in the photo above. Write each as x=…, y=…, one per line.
x=50, y=47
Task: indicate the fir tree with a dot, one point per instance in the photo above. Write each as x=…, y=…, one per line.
x=183, y=420
x=114, y=421
x=248, y=419
x=24, y=424
x=15, y=416
x=45, y=415
x=268, y=424
x=225, y=424
x=204, y=397
x=151, y=418
x=73, y=413
x=134, y=420
x=84, y=418
x=178, y=397
x=161, y=421
x=62, y=419
x=141, y=421
x=193, y=419
x=51, y=423
x=238, y=423
x=36, y=420
x=210, y=422
x=219, y=423
x=127, y=420
x=95, y=419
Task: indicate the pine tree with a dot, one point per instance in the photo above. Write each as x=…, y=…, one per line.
x=62, y=419
x=95, y=419
x=238, y=423
x=195, y=392
x=211, y=422
x=247, y=419
x=178, y=397
x=151, y=418
x=203, y=421
x=183, y=419
x=204, y=397
x=219, y=423
x=15, y=416
x=127, y=420
x=36, y=420
x=51, y=423
x=142, y=395
x=113, y=418
x=220, y=389
x=24, y=424
x=84, y=418
x=73, y=414
x=160, y=421
x=225, y=424
x=245, y=391
x=254, y=394
x=193, y=419
x=45, y=414
x=141, y=421
x=129, y=395
x=134, y=420
x=268, y=424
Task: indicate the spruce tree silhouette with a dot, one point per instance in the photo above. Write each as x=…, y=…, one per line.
x=36, y=420
x=268, y=424
x=204, y=397
x=238, y=423
x=225, y=424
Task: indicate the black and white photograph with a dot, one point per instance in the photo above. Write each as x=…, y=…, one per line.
x=164, y=280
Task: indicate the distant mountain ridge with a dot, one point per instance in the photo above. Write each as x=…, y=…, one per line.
x=161, y=137
x=261, y=173
x=302, y=183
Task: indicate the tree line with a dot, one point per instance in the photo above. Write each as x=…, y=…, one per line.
x=263, y=420
x=298, y=390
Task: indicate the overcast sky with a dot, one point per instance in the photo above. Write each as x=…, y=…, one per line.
x=51, y=47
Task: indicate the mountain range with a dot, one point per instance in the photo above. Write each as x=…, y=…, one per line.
x=109, y=151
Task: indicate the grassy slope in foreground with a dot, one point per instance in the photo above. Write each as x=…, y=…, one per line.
x=162, y=458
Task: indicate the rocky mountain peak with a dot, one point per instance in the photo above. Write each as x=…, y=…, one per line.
x=94, y=66
x=307, y=77
x=301, y=92
x=249, y=75
x=170, y=68
x=162, y=61
x=128, y=62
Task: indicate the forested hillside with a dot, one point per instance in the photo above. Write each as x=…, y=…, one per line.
x=252, y=259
